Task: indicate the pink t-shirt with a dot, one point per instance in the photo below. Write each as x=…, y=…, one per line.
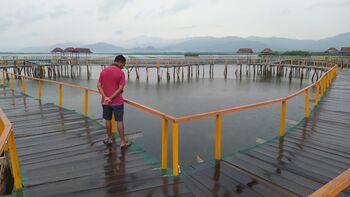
x=110, y=79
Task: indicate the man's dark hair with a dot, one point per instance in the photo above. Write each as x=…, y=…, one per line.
x=120, y=58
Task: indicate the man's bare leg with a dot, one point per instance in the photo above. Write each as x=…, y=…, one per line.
x=109, y=130
x=120, y=127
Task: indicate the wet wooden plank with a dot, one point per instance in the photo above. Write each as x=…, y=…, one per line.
x=312, y=154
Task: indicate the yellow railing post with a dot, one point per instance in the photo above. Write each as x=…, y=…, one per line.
x=86, y=102
x=12, y=82
x=175, y=148
x=316, y=94
x=14, y=161
x=39, y=89
x=335, y=186
x=323, y=86
x=60, y=95
x=307, y=105
x=218, y=127
x=3, y=78
x=164, y=143
x=113, y=123
x=283, y=117
x=23, y=85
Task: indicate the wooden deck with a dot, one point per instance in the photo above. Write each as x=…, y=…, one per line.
x=309, y=156
x=61, y=154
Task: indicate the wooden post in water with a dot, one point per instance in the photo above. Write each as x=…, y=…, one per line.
x=158, y=68
x=203, y=71
x=137, y=73
x=167, y=74
x=225, y=71
x=88, y=72
x=188, y=72
x=182, y=73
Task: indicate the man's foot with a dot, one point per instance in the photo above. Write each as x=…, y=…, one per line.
x=127, y=144
x=108, y=142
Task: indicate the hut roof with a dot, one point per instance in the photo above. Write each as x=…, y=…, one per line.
x=70, y=49
x=245, y=50
x=332, y=49
x=345, y=50
x=267, y=50
x=83, y=50
x=57, y=50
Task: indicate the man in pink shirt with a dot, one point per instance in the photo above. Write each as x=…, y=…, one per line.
x=110, y=85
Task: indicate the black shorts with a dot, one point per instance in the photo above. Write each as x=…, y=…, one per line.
x=117, y=109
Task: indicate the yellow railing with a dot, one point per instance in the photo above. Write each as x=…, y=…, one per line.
x=335, y=186
x=7, y=141
x=165, y=118
x=320, y=87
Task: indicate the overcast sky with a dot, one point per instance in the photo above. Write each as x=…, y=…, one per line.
x=26, y=23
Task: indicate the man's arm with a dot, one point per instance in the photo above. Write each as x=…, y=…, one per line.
x=99, y=87
x=106, y=100
x=118, y=91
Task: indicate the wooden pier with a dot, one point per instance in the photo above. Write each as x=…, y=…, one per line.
x=61, y=154
x=310, y=155
x=176, y=68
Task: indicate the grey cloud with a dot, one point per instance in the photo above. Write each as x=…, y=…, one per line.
x=4, y=24
x=32, y=14
x=329, y=4
x=118, y=32
x=110, y=5
x=179, y=6
x=188, y=27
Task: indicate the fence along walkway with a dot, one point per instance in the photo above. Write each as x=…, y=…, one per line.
x=309, y=156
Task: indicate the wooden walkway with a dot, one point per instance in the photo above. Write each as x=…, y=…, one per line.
x=61, y=154
x=309, y=156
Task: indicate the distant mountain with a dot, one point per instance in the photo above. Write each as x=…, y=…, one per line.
x=232, y=44
x=148, y=49
x=99, y=47
x=228, y=44
x=213, y=44
x=102, y=47
x=45, y=49
x=283, y=44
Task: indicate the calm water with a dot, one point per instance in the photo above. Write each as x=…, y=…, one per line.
x=196, y=139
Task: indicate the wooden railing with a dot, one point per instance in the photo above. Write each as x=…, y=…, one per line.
x=165, y=118
x=320, y=87
x=8, y=143
x=335, y=186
